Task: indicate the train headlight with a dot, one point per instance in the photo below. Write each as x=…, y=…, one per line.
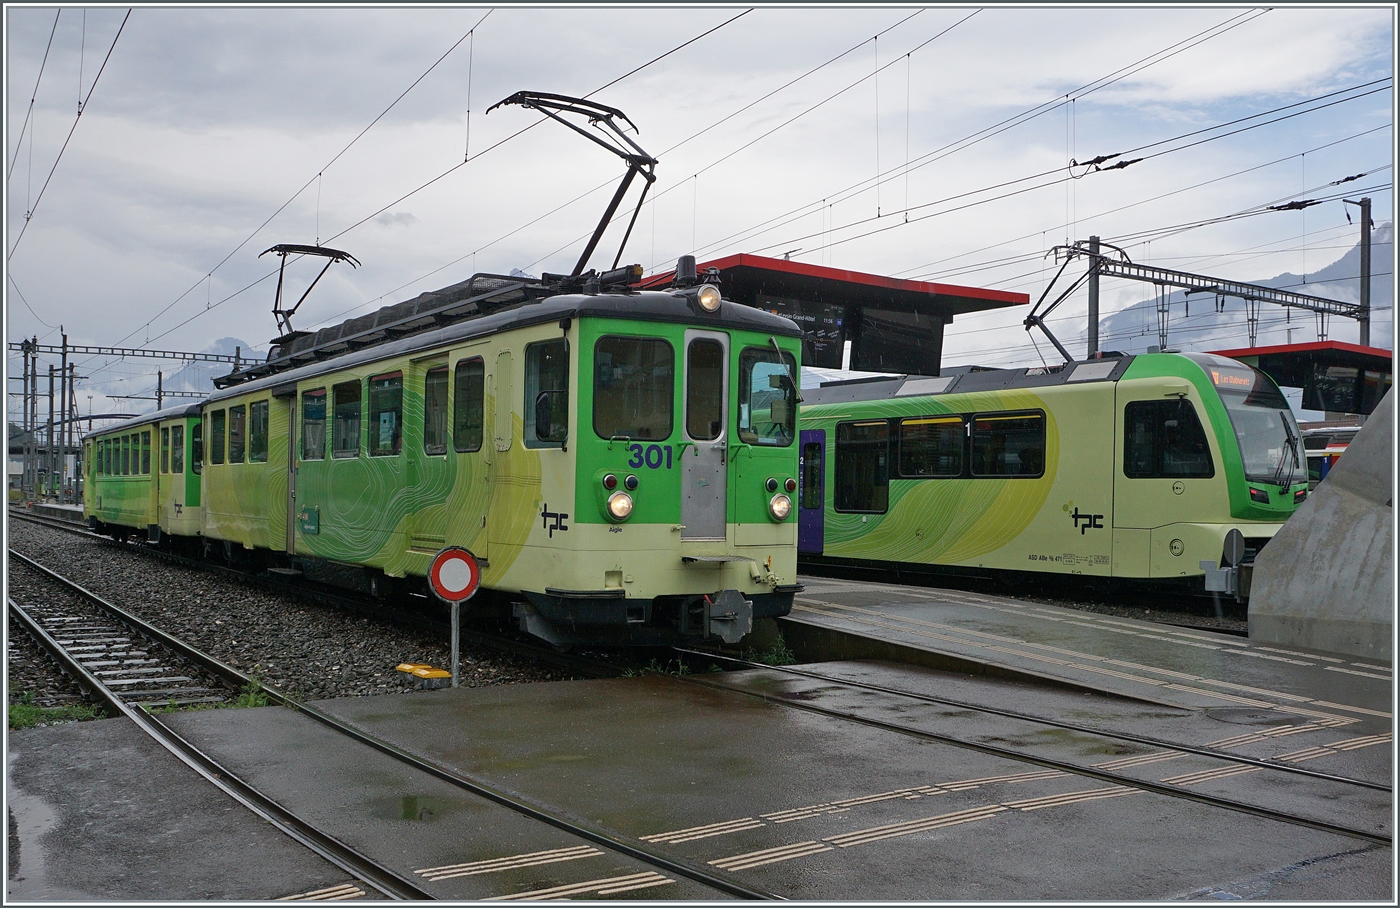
x=708, y=297
x=610, y=482
x=790, y=485
x=619, y=505
x=779, y=507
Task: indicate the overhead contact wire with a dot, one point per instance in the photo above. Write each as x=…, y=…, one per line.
x=29, y=215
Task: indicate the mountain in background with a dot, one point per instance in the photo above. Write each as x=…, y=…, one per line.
x=199, y=377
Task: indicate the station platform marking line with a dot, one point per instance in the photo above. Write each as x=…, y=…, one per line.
x=961, y=637
x=918, y=792
x=609, y=886
x=341, y=893
x=496, y=865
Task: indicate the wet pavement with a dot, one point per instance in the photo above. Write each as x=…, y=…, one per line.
x=856, y=794
x=99, y=811
x=1173, y=666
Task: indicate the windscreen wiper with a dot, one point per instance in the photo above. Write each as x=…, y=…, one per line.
x=1291, y=441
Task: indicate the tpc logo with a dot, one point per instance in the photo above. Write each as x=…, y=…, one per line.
x=1084, y=522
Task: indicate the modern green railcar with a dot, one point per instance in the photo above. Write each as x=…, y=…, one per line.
x=142, y=475
x=1149, y=467
x=620, y=463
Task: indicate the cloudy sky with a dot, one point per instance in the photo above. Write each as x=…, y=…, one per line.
x=929, y=143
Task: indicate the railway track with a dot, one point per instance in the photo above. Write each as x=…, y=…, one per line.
x=423, y=619
x=377, y=875
x=134, y=666
x=1166, y=749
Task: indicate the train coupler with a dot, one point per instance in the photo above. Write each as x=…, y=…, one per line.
x=728, y=616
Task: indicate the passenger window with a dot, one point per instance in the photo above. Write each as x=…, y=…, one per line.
x=313, y=425
x=216, y=436
x=197, y=447
x=257, y=431
x=468, y=405
x=128, y=461
x=811, y=476
x=704, y=391
x=862, y=474
x=146, y=453
x=634, y=388
x=1163, y=439
x=177, y=449
x=767, y=397
x=435, y=411
x=237, y=433
x=547, y=394
x=931, y=446
x=345, y=433
x=385, y=414
x=165, y=450
x=1008, y=444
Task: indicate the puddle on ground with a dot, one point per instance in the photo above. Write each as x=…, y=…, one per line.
x=28, y=820
x=420, y=808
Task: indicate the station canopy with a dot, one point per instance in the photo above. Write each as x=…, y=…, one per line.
x=1336, y=377
x=894, y=325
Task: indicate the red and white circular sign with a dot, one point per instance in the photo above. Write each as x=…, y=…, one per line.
x=454, y=575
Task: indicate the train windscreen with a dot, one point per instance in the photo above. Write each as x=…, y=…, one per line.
x=1268, y=435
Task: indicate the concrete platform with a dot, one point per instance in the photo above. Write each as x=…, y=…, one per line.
x=995, y=636
x=73, y=513
x=97, y=811
x=718, y=771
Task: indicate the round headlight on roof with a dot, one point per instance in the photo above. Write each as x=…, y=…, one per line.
x=708, y=297
x=779, y=507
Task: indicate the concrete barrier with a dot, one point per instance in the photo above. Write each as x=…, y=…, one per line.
x=1327, y=580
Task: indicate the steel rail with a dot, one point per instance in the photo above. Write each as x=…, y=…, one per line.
x=576, y=827
x=340, y=599
x=1048, y=763
x=1068, y=726
x=341, y=855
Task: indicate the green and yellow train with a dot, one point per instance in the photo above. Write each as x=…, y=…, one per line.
x=1157, y=467
x=621, y=464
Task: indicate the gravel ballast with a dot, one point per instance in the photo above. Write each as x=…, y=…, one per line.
x=305, y=649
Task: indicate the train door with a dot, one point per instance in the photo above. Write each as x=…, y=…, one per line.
x=290, y=539
x=500, y=385
x=704, y=489
x=811, y=488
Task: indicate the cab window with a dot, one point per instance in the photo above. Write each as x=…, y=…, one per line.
x=1163, y=439
x=767, y=397
x=634, y=382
